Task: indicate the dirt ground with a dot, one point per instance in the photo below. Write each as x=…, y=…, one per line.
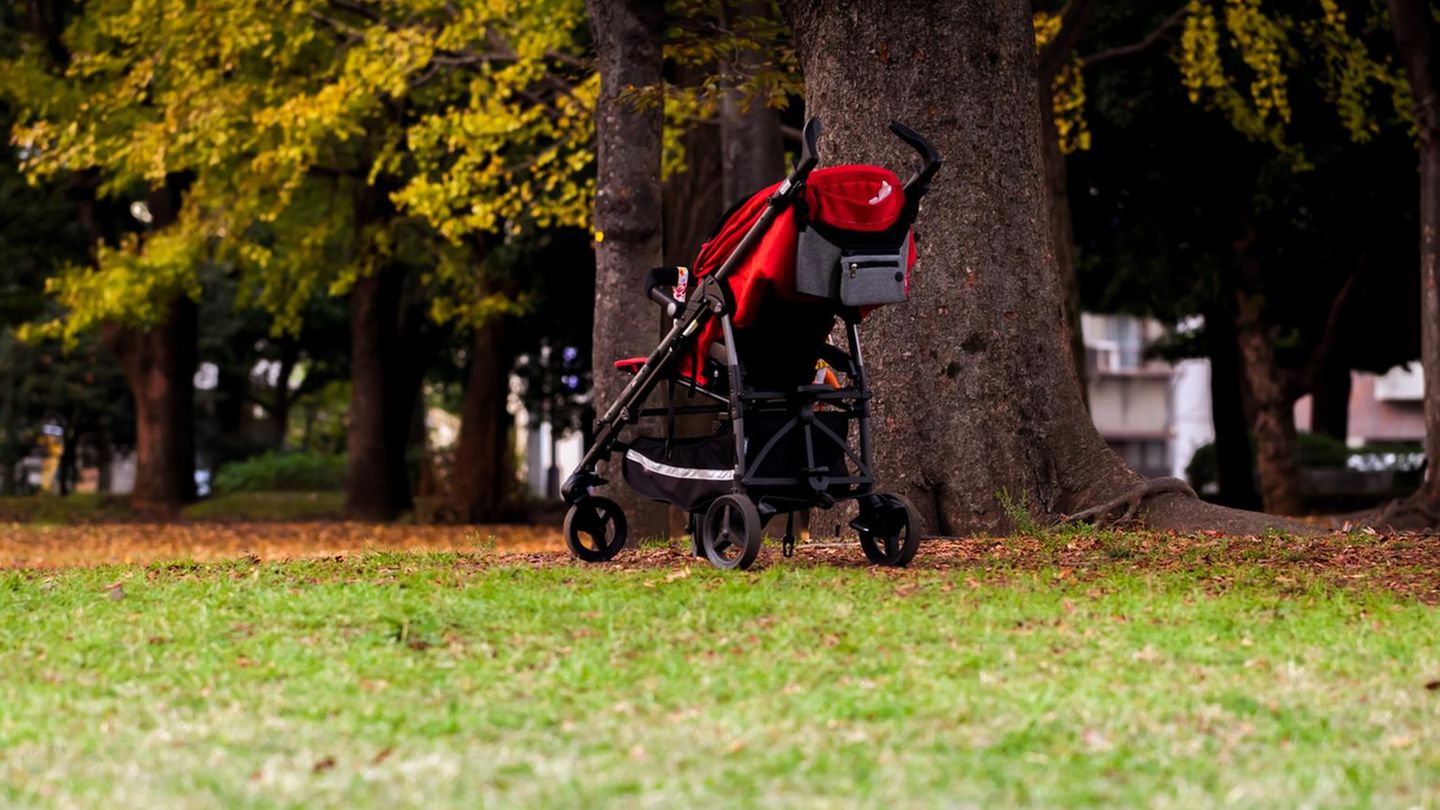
x=1406, y=564
x=101, y=544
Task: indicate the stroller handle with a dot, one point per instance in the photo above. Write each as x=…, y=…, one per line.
x=915, y=187
x=809, y=150
x=930, y=160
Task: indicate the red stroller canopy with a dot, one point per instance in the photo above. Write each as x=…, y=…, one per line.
x=855, y=198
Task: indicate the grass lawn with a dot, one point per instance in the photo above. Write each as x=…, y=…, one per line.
x=490, y=679
x=89, y=507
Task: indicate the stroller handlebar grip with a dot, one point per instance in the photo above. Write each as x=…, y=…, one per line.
x=657, y=288
x=809, y=151
x=930, y=160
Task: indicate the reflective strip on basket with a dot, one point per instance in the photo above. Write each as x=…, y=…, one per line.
x=656, y=467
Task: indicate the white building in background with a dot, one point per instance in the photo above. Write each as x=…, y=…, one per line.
x=1387, y=407
x=1154, y=414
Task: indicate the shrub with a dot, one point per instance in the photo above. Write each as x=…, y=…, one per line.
x=1312, y=451
x=283, y=472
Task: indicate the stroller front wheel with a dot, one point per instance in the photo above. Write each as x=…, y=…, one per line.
x=595, y=529
x=730, y=532
x=890, y=532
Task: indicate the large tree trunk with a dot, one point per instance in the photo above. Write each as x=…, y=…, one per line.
x=627, y=210
x=1416, y=36
x=159, y=365
x=481, y=474
x=385, y=383
x=975, y=386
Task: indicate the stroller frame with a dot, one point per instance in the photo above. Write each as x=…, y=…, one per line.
x=729, y=533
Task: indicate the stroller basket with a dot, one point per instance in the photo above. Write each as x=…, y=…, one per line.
x=690, y=473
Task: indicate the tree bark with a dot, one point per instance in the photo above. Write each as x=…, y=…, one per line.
x=975, y=386
x=385, y=383
x=627, y=37
x=1273, y=419
x=481, y=475
x=1416, y=36
x=159, y=365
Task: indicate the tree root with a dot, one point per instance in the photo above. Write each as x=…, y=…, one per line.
x=1131, y=501
x=1395, y=513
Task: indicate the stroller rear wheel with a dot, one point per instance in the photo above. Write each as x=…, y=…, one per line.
x=730, y=532
x=889, y=531
x=595, y=529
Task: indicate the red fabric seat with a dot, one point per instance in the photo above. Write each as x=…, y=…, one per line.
x=862, y=198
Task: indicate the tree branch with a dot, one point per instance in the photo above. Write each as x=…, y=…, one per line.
x=1329, y=337
x=1136, y=47
x=1073, y=19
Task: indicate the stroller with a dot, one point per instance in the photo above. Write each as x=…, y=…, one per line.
x=750, y=341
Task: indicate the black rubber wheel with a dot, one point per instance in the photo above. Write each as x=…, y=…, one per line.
x=595, y=529
x=889, y=531
x=730, y=532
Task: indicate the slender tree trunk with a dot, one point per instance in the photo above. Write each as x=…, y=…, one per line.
x=384, y=388
x=279, y=409
x=693, y=202
x=481, y=475
x=231, y=401
x=1273, y=398
x=975, y=385
x=159, y=365
x=1330, y=399
x=1229, y=392
x=104, y=457
x=751, y=147
x=69, y=458
x=1416, y=37
x=627, y=210
x=1274, y=428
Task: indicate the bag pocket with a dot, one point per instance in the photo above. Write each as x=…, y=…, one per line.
x=817, y=265
x=871, y=279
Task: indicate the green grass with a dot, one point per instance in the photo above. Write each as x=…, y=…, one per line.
x=284, y=506
x=50, y=510
x=89, y=507
x=434, y=681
